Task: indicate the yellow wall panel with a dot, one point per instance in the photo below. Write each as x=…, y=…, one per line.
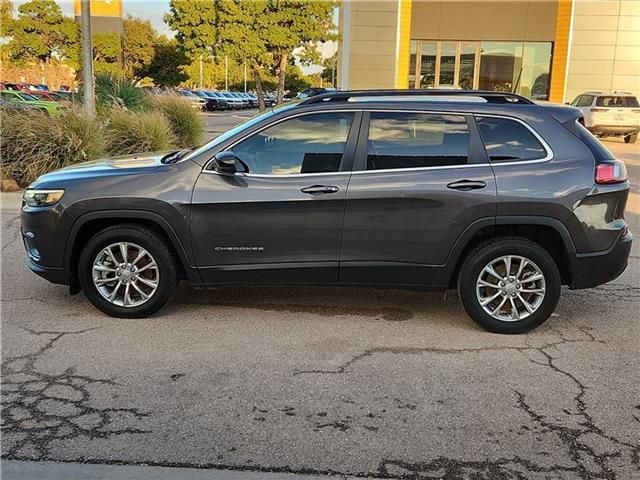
x=560, y=51
x=102, y=8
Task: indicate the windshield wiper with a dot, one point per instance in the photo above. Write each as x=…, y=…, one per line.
x=173, y=157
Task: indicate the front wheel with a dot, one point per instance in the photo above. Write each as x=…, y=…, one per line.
x=509, y=285
x=631, y=138
x=127, y=271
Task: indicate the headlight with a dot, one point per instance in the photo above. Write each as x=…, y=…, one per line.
x=42, y=198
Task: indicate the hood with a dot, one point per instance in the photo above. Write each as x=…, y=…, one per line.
x=125, y=165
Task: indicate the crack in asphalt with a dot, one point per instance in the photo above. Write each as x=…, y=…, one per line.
x=40, y=408
x=15, y=235
x=580, y=453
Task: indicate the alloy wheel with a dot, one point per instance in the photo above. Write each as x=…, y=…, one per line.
x=125, y=274
x=510, y=288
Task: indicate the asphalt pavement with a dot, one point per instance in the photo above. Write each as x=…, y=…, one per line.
x=326, y=381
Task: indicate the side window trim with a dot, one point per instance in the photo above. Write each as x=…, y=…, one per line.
x=346, y=163
x=545, y=145
x=477, y=154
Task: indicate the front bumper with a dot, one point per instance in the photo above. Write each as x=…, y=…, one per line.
x=55, y=275
x=593, y=269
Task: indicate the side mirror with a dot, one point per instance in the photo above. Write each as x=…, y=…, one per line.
x=227, y=163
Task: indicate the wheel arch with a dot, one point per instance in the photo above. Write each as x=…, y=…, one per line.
x=550, y=233
x=90, y=223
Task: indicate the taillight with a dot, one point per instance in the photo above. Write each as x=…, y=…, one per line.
x=600, y=110
x=611, y=171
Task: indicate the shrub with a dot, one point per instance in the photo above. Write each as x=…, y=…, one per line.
x=128, y=132
x=113, y=90
x=186, y=124
x=33, y=143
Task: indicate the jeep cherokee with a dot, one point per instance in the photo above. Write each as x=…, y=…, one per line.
x=488, y=192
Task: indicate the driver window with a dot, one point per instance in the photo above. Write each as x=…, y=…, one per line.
x=307, y=144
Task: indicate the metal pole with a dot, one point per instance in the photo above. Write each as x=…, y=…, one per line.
x=226, y=73
x=200, y=71
x=245, y=76
x=333, y=72
x=87, y=58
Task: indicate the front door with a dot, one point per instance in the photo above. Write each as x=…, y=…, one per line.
x=281, y=221
x=420, y=180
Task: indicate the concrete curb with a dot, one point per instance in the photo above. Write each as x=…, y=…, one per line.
x=22, y=470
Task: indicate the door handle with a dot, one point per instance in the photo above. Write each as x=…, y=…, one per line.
x=466, y=185
x=319, y=189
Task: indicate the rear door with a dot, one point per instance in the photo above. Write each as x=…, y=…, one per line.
x=421, y=179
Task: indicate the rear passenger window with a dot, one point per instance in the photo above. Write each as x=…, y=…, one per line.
x=413, y=140
x=506, y=139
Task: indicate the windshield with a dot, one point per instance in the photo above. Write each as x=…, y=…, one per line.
x=237, y=129
x=27, y=97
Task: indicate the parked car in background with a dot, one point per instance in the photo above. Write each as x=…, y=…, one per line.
x=245, y=101
x=223, y=102
x=48, y=96
x=19, y=106
x=196, y=102
x=610, y=114
x=232, y=101
x=211, y=104
x=489, y=192
x=51, y=108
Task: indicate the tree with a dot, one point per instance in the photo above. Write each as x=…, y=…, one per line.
x=166, y=66
x=6, y=18
x=41, y=32
x=107, y=51
x=234, y=28
x=264, y=33
x=297, y=24
x=138, y=42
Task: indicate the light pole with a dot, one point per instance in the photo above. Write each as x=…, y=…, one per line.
x=245, y=76
x=226, y=73
x=200, y=71
x=87, y=58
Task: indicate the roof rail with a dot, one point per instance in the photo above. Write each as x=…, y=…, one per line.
x=348, y=95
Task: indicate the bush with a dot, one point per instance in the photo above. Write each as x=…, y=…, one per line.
x=186, y=124
x=113, y=90
x=33, y=143
x=128, y=132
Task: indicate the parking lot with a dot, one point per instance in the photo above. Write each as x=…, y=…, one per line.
x=380, y=383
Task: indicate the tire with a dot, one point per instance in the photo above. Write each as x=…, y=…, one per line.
x=137, y=239
x=631, y=138
x=538, y=261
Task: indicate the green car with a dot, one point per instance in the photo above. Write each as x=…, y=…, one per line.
x=51, y=108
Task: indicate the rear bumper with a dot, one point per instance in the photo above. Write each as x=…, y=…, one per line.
x=591, y=270
x=614, y=129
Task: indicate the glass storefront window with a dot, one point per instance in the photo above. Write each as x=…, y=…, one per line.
x=534, y=81
x=522, y=67
x=467, y=65
x=500, y=65
x=427, y=65
x=447, y=64
x=412, y=63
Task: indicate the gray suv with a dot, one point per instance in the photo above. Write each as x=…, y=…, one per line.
x=486, y=192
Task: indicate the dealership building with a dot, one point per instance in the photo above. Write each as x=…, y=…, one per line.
x=542, y=49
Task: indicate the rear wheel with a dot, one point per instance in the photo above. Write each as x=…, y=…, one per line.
x=631, y=138
x=127, y=271
x=509, y=285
